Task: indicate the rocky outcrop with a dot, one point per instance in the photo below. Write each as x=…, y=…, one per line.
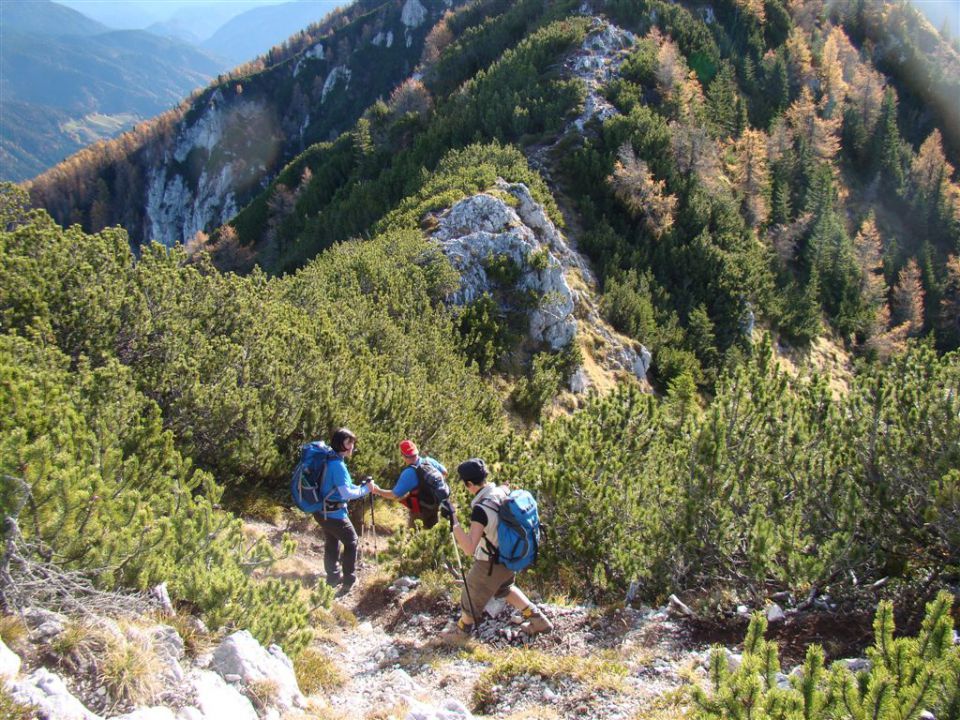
x=9, y=663
x=595, y=63
x=487, y=226
x=48, y=693
x=217, y=686
x=507, y=222
x=241, y=656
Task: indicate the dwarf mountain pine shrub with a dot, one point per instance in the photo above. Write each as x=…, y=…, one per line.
x=907, y=676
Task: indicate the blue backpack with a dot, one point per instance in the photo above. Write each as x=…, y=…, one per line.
x=518, y=531
x=306, y=484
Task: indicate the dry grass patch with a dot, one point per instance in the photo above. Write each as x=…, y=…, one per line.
x=823, y=356
x=130, y=670
x=537, y=713
x=436, y=585
x=316, y=671
x=13, y=631
x=343, y=616
x=260, y=507
x=74, y=641
x=391, y=518
x=597, y=673
x=262, y=693
x=196, y=640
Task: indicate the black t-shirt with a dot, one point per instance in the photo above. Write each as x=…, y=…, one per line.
x=478, y=514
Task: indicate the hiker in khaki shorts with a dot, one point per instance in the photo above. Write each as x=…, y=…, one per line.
x=486, y=579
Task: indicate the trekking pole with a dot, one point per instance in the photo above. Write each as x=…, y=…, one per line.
x=373, y=527
x=466, y=588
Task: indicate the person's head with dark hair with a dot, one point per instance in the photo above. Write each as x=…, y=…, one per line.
x=473, y=471
x=343, y=441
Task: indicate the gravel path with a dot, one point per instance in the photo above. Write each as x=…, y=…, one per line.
x=398, y=666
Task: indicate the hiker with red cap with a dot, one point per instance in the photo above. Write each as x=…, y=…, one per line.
x=421, y=485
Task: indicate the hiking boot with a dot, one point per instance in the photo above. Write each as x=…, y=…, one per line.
x=537, y=623
x=456, y=631
x=344, y=588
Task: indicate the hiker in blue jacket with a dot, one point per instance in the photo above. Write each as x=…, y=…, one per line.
x=407, y=488
x=338, y=489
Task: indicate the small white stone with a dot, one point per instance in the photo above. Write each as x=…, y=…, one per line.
x=734, y=661
x=675, y=606
x=775, y=613
x=9, y=663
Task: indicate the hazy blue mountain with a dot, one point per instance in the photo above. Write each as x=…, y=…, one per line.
x=42, y=17
x=142, y=14
x=122, y=15
x=123, y=70
x=252, y=33
x=176, y=30
x=196, y=22
x=62, y=91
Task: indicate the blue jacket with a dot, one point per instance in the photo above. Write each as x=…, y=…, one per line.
x=407, y=482
x=339, y=486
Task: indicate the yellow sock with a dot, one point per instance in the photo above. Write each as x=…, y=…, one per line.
x=528, y=611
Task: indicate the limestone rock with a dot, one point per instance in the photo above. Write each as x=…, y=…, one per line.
x=338, y=74
x=43, y=624
x=160, y=594
x=450, y=709
x=675, y=606
x=595, y=63
x=413, y=14
x=218, y=701
x=734, y=661
x=49, y=694
x=241, y=654
x=485, y=225
x=775, y=614
x=9, y=663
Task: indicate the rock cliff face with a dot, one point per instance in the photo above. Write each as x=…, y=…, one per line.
x=238, y=138
x=507, y=222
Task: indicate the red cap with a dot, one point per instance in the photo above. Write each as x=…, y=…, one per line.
x=408, y=448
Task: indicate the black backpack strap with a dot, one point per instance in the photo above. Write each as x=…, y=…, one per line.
x=329, y=505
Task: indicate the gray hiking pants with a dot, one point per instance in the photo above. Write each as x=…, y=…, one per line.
x=339, y=566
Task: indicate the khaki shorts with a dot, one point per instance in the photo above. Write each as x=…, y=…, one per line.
x=484, y=584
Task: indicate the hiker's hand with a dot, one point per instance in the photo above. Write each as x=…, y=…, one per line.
x=448, y=511
x=366, y=480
